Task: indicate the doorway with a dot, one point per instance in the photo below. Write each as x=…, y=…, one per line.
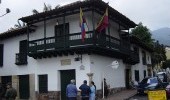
x=65, y=76
x=24, y=88
x=137, y=75
x=127, y=78
x=4, y=81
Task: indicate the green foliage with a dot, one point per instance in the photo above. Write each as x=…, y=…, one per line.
x=143, y=33
x=159, y=53
x=166, y=64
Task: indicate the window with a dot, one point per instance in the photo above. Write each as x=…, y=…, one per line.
x=137, y=75
x=1, y=54
x=59, y=29
x=144, y=57
x=21, y=57
x=43, y=83
x=144, y=73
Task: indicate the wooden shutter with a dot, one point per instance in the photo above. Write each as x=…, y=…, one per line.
x=137, y=75
x=24, y=88
x=1, y=54
x=23, y=46
x=23, y=51
x=43, y=84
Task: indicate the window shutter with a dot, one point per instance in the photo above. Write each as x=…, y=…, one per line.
x=1, y=54
x=43, y=84
x=23, y=51
x=23, y=46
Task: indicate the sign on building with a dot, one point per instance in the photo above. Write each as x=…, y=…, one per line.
x=65, y=62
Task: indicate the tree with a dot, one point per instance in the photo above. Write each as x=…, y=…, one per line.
x=143, y=33
x=166, y=64
x=45, y=8
x=159, y=53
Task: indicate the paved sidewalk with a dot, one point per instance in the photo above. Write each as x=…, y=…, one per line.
x=122, y=95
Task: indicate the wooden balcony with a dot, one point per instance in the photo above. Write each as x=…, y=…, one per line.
x=133, y=58
x=72, y=43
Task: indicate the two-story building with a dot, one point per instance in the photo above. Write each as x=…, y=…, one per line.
x=43, y=57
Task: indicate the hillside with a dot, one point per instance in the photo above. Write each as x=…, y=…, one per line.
x=162, y=35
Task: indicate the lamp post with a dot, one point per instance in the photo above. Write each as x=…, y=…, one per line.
x=113, y=65
x=7, y=11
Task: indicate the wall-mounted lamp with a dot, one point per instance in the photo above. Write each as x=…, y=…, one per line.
x=7, y=11
x=78, y=58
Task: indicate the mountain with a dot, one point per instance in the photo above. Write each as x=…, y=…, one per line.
x=162, y=35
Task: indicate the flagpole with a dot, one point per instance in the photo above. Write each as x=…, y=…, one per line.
x=93, y=23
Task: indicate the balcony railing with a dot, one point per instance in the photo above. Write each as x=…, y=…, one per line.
x=133, y=58
x=21, y=58
x=75, y=40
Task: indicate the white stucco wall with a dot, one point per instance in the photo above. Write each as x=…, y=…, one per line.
x=114, y=77
x=50, y=66
x=139, y=66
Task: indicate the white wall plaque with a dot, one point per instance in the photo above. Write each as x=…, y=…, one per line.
x=65, y=62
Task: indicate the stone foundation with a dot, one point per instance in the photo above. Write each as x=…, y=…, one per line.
x=111, y=91
x=51, y=95
x=55, y=95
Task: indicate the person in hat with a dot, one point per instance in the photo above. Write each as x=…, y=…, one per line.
x=85, y=91
x=71, y=90
x=11, y=93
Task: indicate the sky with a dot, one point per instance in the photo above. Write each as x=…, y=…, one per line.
x=152, y=13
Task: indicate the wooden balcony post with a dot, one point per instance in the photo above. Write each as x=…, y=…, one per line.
x=44, y=34
x=27, y=39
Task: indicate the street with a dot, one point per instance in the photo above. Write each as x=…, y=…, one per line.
x=140, y=97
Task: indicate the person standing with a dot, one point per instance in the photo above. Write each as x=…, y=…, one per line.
x=71, y=90
x=164, y=77
x=106, y=91
x=11, y=93
x=85, y=90
x=92, y=91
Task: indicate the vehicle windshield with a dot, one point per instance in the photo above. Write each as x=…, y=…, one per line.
x=144, y=81
x=152, y=80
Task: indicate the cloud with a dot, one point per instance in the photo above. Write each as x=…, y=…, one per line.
x=152, y=13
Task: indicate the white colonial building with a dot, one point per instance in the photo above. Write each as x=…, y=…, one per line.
x=44, y=56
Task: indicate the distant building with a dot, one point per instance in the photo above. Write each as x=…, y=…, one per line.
x=41, y=59
x=167, y=52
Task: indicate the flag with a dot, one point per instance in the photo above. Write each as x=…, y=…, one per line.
x=103, y=22
x=82, y=26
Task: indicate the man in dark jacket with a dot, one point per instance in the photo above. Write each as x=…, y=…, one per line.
x=85, y=90
x=71, y=91
x=11, y=93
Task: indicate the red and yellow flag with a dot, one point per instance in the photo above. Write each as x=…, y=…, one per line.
x=103, y=22
x=82, y=26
